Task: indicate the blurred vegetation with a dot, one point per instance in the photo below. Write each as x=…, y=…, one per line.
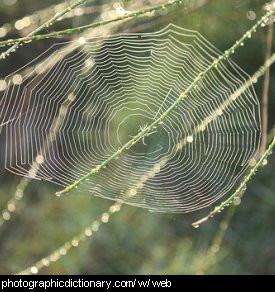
x=136, y=241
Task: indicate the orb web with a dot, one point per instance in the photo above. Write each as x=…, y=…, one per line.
x=63, y=122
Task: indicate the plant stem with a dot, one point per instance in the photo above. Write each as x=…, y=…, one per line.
x=43, y=26
x=266, y=89
x=240, y=189
x=74, y=242
x=210, y=257
x=11, y=205
x=152, y=126
x=84, y=27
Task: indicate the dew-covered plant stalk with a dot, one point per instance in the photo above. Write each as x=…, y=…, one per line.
x=268, y=52
x=45, y=25
x=241, y=187
x=153, y=126
x=86, y=233
x=34, y=36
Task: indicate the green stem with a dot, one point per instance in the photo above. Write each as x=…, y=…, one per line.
x=40, y=28
x=240, y=189
x=210, y=257
x=58, y=16
x=152, y=126
x=84, y=27
x=91, y=229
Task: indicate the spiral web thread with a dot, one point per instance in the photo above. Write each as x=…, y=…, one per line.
x=115, y=87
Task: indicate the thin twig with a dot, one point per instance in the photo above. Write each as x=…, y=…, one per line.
x=74, y=242
x=47, y=24
x=80, y=29
x=12, y=203
x=210, y=257
x=260, y=72
x=266, y=89
x=40, y=16
x=240, y=189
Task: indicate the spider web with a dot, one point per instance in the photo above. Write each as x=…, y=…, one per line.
x=62, y=123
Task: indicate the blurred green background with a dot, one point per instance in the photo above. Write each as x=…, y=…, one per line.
x=136, y=241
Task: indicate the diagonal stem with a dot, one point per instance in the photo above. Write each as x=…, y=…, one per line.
x=240, y=189
x=266, y=89
x=48, y=23
x=82, y=28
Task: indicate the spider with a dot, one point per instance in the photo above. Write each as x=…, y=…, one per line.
x=141, y=128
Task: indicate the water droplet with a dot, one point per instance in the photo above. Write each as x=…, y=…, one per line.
x=189, y=139
x=34, y=270
x=237, y=201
